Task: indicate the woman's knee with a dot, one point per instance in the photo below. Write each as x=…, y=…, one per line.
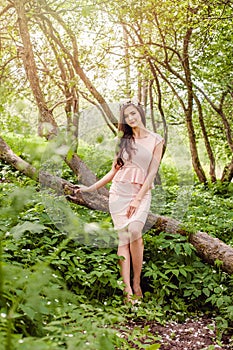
x=123, y=238
x=135, y=234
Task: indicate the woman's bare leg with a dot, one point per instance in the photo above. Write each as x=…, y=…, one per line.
x=124, y=250
x=136, y=251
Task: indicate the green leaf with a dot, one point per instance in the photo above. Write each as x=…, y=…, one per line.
x=197, y=293
x=105, y=343
x=28, y=311
x=220, y=302
x=217, y=290
x=177, y=249
x=175, y=272
x=33, y=227
x=206, y=291
x=183, y=272
x=188, y=249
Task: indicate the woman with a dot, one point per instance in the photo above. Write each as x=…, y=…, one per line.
x=132, y=174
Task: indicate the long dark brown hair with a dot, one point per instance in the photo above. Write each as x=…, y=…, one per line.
x=127, y=141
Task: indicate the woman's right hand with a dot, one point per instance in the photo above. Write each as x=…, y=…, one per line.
x=81, y=188
x=76, y=189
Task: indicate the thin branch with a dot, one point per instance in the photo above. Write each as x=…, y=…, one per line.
x=60, y=103
x=6, y=9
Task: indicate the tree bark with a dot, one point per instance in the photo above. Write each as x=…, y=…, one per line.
x=206, y=140
x=85, y=175
x=227, y=174
x=47, y=125
x=7, y=155
x=126, y=63
x=189, y=110
x=208, y=248
x=160, y=108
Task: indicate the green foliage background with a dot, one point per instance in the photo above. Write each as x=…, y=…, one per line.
x=58, y=293
x=55, y=291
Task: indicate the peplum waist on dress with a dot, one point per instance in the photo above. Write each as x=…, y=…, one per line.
x=130, y=174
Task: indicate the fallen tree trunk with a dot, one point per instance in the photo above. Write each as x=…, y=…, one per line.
x=59, y=185
x=18, y=163
x=208, y=248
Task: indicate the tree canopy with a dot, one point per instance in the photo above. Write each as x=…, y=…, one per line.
x=174, y=56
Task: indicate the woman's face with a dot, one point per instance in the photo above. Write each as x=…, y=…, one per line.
x=133, y=117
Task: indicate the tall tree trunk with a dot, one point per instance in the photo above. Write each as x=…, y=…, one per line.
x=46, y=117
x=227, y=174
x=74, y=58
x=189, y=110
x=139, y=87
x=76, y=115
x=219, y=110
x=208, y=248
x=187, y=81
x=151, y=104
x=47, y=125
x=145, y=86
x=160, y=108
x=206, y=140
x=126, y=63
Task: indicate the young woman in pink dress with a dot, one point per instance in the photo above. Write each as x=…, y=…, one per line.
x=132, y=174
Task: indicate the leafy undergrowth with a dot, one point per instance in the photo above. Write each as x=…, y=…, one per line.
x=61, y=289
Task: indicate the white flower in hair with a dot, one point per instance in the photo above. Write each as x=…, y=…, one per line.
x=133, y=101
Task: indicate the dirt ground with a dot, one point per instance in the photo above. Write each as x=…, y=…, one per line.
x=196, y=334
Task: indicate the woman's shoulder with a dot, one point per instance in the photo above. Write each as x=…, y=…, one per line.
x=157, y=137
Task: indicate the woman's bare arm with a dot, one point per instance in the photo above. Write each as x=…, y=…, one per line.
x=102, y=182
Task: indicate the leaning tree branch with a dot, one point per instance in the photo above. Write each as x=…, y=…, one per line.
x=208, y=248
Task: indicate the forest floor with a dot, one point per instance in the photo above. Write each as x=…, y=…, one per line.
x=193, y=334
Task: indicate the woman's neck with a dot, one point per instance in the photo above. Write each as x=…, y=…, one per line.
x=139, y=133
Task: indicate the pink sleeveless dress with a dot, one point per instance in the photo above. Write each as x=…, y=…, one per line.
x=128, y=181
